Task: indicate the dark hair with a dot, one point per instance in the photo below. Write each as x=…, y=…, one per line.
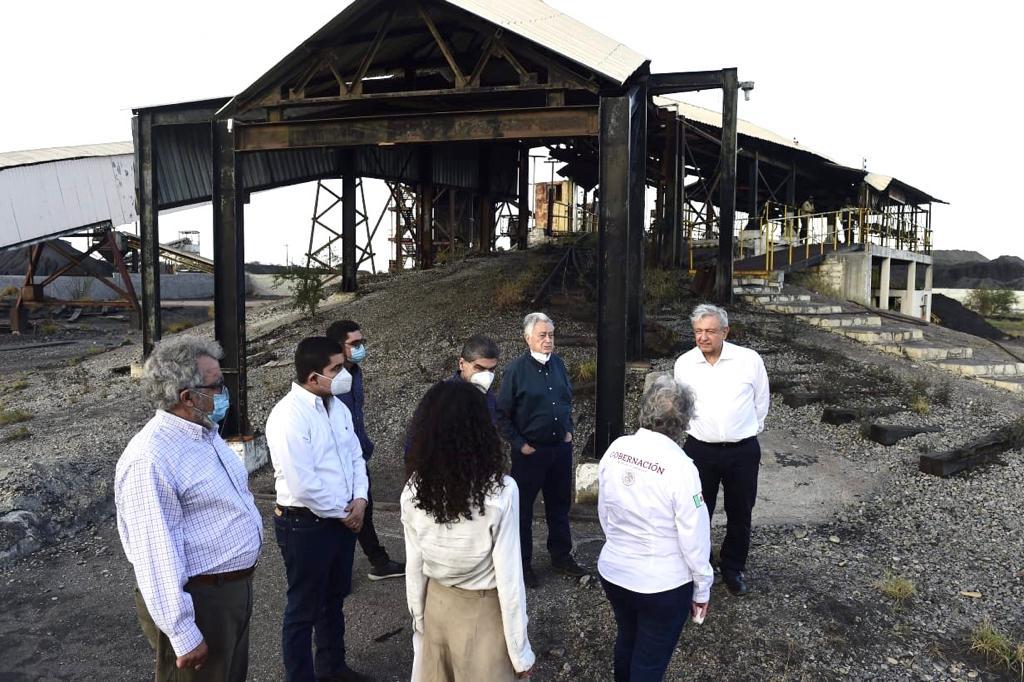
x=455, y=455
x=480, y=346
x=339, y=331
x=313, y=354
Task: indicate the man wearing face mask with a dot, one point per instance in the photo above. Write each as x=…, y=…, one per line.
x=350, y=336
x=535, y=417
x=187, y=520
x=477, y=362
x=321, y=484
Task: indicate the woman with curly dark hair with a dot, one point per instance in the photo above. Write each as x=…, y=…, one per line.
x=464, y=573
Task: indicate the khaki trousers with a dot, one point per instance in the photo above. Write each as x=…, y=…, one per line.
x=222, y=615
x=463, y=637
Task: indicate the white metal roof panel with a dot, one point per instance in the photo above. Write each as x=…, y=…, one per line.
x=31, y=156
x=45, y=199
x=546, y=26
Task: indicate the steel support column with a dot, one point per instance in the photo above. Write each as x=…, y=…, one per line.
x=149, y=229
x=524, y=198
x=349, y=261
x=673, y=184
x=620, y=157
x=727, y=187
x=426, y=209
x=637, y=214
x=485, y=217
x=229, y=276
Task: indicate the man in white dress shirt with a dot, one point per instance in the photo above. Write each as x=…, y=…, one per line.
x=321, y=483
x=187, y=520
x=732, y=399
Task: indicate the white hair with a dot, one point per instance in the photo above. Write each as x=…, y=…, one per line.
x=708, y=310
x=172, y=367
x=532, y=319
x=667, y=408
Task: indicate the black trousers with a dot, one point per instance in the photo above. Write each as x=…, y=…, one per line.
x=549, y=469
x=734, y=466
x=367, y=536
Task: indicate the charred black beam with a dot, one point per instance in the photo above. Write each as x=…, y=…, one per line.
x=637, y=215
x=425, y=229
x=684, y=81
x=524, y=197
x=349, y=281
x=618, y=156
x=454, y=127
x=149, y=228
x=229, y=277
x=727, y=186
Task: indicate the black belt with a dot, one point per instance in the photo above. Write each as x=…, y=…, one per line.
x=300, y=512
x=726, y=444
x=221, y=578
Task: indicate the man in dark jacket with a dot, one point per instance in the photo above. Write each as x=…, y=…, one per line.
x=535, y=417
x=350, y=336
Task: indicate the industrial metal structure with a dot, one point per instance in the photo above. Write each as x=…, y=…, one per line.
x=443, y=99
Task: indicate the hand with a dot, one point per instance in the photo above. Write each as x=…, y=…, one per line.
x=526, y=673
x=568, y=438
x=195, y=658
x=356, y=509
x=527, y=449
x=698, y=611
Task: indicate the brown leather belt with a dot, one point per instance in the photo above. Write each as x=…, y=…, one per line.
x=221, y=578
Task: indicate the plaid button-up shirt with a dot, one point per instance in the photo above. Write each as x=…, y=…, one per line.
x=183, y=509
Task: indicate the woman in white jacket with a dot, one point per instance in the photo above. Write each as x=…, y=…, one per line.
x=464, y=573
x=655, y=564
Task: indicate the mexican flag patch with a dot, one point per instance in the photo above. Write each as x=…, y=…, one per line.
x=698, y=500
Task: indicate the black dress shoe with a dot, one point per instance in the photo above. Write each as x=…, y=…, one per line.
x=530, y=578
x=737, y=584
x=388, y=569
x=569, y=567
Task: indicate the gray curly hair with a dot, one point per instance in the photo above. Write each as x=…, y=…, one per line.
x=667, y=408
x=171, y=368
x=532, y=319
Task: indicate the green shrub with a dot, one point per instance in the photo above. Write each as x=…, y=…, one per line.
x=987, y=301
x=307, y=288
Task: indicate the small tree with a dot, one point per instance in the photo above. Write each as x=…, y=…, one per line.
x=987, y=301
x=306, y=286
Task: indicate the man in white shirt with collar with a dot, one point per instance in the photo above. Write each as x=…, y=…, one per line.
x=732, y=399
x=321, y=483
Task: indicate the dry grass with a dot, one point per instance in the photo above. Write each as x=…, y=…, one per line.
x=9, y=292
x=179, y=326
x=896, y=587
x=13, y=416
x=510, y=294
x=997, y=648
x=662, y=287
x=584, y=371
x=920, y=405
x=20, y=433
x=17, y=385
x=49, y=327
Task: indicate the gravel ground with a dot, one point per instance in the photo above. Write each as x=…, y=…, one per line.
x=815, y=613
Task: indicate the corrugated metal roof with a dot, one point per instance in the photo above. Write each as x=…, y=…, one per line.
x=52, y=197
x=28, y=157
x=546, y=26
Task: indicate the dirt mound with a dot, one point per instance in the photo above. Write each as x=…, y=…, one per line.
x=15, y=262
x=953, y=315
x=1005, y=272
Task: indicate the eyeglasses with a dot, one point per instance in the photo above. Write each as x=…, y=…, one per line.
x=219, y=386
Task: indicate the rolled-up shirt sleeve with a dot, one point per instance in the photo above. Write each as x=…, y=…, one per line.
x=292, y=450
x=508, y=572
x=762, y=396
x=693, y=527
x=151, y=517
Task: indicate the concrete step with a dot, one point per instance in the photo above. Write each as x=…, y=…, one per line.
x=795, y=309
x=765, y=299
x=980, y=368
x=1013, y=384
x=771, y=280
x=843, y=322
x=756, y=291
x=882, y=335
x=925, y=350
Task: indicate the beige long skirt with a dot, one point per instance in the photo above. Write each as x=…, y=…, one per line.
x=463, y=638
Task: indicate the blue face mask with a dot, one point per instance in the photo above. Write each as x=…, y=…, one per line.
x=221, y=401
x=358, y=354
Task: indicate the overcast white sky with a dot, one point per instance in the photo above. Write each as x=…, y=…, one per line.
x=925, y=91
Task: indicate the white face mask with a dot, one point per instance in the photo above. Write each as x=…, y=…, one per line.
x=341, y=383
x=482, y=380
x=542, y=358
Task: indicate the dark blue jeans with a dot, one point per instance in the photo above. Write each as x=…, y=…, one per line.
x=735, y=467
x=318, y=557
x=649, y=628
x=549, y=469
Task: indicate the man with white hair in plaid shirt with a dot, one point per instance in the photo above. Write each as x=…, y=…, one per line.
x=187, y=520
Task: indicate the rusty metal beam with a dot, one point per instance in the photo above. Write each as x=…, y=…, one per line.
x=452, y=127
x=685, y=81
